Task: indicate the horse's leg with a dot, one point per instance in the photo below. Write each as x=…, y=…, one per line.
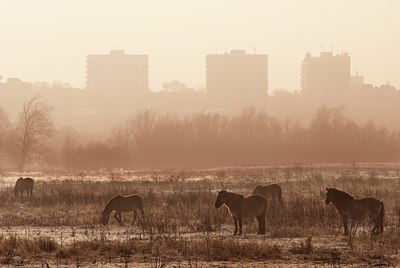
x=117, y=215
x=263, y=215
x=240, y=226
x=259, y=219
x=346, y=230
x=381, y=218
x=235, y=221
x=134, y=216
x=377, y=226
x=143, y=215
x=120, y=218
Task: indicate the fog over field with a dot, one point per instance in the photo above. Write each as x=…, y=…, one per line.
x=192, y=80
x=177, y=110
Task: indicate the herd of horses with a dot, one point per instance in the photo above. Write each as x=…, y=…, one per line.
x=240, y=207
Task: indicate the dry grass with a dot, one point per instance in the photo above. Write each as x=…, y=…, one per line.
x=184, y=226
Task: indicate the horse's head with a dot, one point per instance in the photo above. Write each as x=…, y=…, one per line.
x=17, y=186
x=329, y=196
x=105, y=217
x=221, y=198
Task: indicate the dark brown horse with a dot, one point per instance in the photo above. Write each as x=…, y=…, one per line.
x=241, y=207
x=350, y=208
x=22, y=185
x=123, y=204
x=270, y=192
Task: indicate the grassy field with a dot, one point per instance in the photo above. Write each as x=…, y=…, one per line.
x=60, y=224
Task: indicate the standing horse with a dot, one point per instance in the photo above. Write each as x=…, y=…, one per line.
x=22, y=185
x=241, y=207
x=123, y=204
x=273, y=192
x=356, y=209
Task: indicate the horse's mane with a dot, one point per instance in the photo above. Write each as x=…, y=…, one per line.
x=232, y=193
x=340, y=194
x=115, y=197
x=110, y=202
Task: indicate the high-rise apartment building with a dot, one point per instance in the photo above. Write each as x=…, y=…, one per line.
x=237, y=74
x=326, y=74
x=117, y=75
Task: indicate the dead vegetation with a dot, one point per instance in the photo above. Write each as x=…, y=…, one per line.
x=60, y=223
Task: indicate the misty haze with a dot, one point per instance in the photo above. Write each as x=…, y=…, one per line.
x=209, y=134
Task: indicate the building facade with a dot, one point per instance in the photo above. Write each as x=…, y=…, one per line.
x=117, y=76
x=237, y=75
x=326, y=74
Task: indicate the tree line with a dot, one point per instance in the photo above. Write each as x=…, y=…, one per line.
x=151, y=139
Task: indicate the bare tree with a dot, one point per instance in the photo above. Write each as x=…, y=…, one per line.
x=5, y=127
x=33, y=127
x=143, y=124
x=175, y=86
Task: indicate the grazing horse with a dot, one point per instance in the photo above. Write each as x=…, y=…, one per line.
x=22, y=185
x=356, y=209
x=241, y=207
x=123, y=204
x=273, y=192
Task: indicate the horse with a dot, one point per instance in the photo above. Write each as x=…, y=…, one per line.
x=241, y=207
x=22, y=185
x=356, y=209
x=272, y=191
x=120, y=204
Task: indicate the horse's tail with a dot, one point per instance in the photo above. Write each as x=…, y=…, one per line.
x=381, y=216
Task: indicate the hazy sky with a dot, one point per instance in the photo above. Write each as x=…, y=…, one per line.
x=48, y=40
